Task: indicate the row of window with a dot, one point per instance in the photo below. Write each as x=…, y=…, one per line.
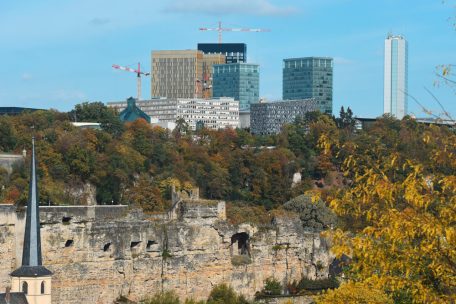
x=25, y=287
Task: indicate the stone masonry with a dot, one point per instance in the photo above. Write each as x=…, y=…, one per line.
x=98, y=253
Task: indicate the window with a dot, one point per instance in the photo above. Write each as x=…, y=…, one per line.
x=25, y=287
x=42, y=287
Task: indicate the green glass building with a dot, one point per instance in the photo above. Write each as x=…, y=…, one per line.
x=240, y=81
x=309, y=77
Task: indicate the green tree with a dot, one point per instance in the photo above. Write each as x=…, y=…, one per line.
x=314, y=215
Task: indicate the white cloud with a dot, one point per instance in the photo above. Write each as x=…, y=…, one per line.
x=227, y=7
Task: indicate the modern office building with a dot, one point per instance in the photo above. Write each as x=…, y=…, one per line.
x=175, y=73
x=215, y=113
x=240, y=81
x=268, y=118
x=206, y=85
x=183, y=73
x=233, y=52
x=309, y=77
x=395, y=77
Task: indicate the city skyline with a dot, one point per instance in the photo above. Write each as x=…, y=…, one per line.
x=46, y=66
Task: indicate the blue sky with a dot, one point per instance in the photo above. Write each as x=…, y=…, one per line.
x=57, y=53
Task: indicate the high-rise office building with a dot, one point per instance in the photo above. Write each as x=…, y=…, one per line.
x=395, y=78
x=238, y=80
x=183, y=73
x=206, y=81
x=309, y=77
x=233, y=52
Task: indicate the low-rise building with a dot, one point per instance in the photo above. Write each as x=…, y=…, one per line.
x=268, y=118
x=214, y=113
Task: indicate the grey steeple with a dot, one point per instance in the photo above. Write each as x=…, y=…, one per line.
x=31, y=254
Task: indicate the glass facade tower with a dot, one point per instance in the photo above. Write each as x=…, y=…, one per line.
x=395, y=77
x=309, y=77
x=233, y=52
x=238, y=80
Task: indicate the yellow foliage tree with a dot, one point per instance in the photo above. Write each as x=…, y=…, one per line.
x=401, y=212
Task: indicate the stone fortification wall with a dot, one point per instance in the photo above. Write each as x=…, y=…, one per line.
x=100, y=252
x=7, y=161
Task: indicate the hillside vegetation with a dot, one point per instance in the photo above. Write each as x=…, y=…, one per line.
x=391, y=186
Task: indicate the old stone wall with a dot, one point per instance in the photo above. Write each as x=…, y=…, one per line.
x=98, y=253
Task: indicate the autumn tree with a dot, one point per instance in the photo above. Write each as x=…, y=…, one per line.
x=399, y=213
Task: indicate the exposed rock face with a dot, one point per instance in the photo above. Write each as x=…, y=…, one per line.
x=100, y=252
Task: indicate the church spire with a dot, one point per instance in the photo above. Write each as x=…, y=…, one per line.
x=31, y=254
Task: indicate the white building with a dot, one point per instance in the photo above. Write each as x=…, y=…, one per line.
x=395, y=78
x=215, y=113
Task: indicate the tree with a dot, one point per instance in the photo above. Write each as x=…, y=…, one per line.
x=399, y=211
x=98, y=112
x=314, y=216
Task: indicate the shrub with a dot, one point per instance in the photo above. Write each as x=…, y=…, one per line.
x=167, y=297
x=322, y=284
x=272, y=287
x=223, y=294
x=314, y=216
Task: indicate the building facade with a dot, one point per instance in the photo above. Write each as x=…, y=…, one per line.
x=183, y=73
x=214, y=113
x=206, y=85
x=395, y=76
x=268, y=118
x=240, y=81
x=175, y=73
x=233, y=52
x=309, y=77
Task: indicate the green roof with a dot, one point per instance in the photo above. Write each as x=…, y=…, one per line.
x=132, y=112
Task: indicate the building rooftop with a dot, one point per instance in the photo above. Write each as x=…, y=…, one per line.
x=14, y=298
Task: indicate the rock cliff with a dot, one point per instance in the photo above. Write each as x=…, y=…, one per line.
x=98, y=253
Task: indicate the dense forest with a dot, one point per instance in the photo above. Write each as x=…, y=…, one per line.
x=387, y=192
x=136, y=163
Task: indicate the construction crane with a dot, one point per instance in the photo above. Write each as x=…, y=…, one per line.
x=221, y=29
x=138, y=73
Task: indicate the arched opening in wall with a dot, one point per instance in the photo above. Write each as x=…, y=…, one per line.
x=25, y=287
x=43, y=287
x=69, y=243
x=240, y=244
x=106, y=247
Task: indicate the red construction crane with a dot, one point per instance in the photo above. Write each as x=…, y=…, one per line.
x=138, y=73
x=221, y=29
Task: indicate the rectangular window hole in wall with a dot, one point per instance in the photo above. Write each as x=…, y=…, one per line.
x=69, y=243
x=134, y=244
x=150, y=244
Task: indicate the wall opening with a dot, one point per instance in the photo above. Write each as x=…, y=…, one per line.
x=66, y=219
x=25, y=287
x=43, y=287
x=150, y=244
x=134, y=244
x=69, y=243
x=240, y=244
x=106, y=247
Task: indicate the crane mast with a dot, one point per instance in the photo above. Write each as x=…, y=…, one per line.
x=138, y=76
